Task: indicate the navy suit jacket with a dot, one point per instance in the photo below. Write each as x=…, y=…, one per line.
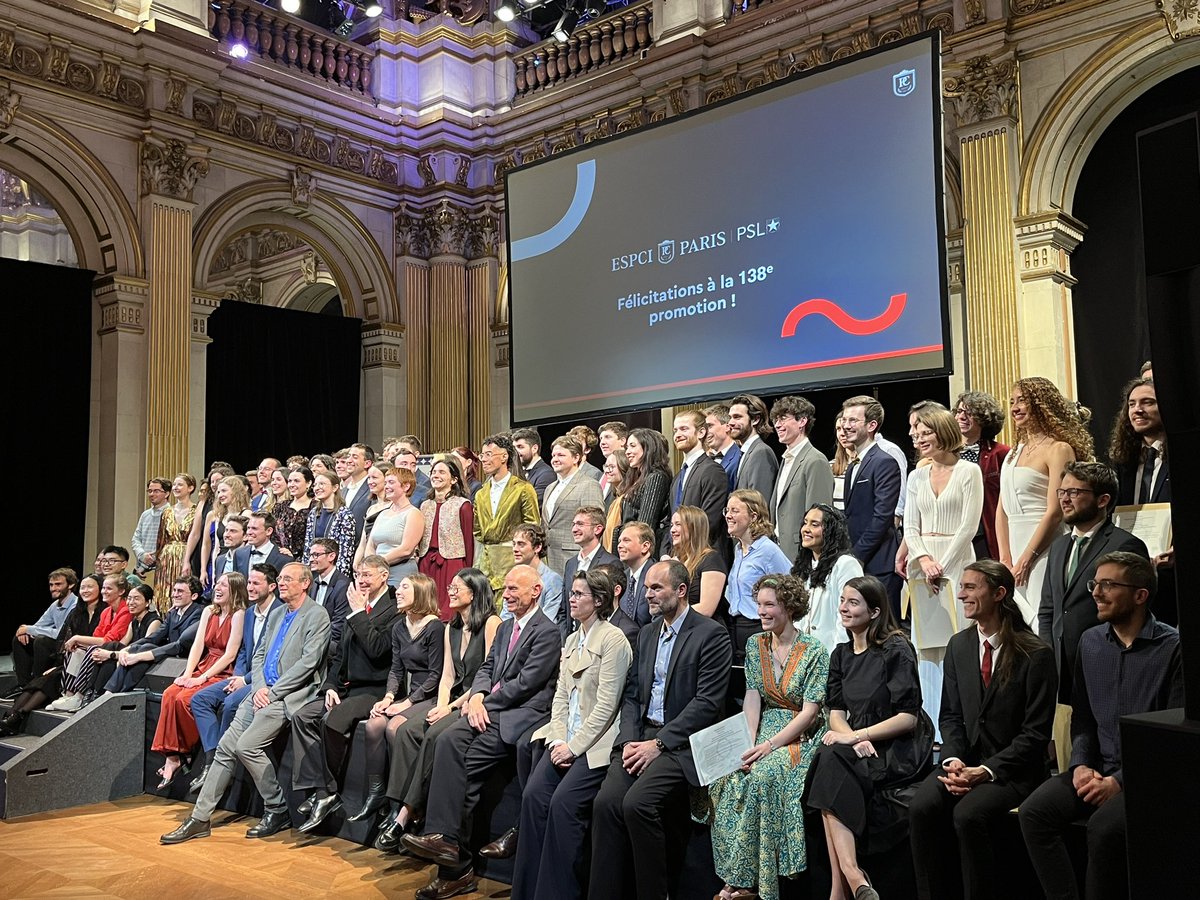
x=175, y=637
x=729, y=462
x=871, y=512
x=358, y=509
x=422, y=491
x=635, y=604
x=564, y=621
x=245, y=657
x=541, y=476
x=707, y=486
x=276, y=558
x=336, y=605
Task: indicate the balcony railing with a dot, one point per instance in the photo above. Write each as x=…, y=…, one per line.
x=278, y=39
x=618, y=37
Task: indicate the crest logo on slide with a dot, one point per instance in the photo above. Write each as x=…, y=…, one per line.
x=666, y=251
x=904, y=82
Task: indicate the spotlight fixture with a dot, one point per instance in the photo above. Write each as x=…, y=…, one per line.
x=595, y=8
x=566, y=24
x=506, y=12
x=373, y=10
x=239, y=50
x=290, y=6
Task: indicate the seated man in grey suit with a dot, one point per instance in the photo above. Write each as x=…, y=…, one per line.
x=288, y=669
x=173, y=639
x=511, y=694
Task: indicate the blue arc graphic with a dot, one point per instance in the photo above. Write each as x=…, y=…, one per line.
x=537, y=244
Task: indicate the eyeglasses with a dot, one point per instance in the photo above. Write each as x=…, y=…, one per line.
x=578, y=595
x=1072, y=492
x=1106, y=585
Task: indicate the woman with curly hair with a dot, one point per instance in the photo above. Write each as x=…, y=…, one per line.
x=1050, y=434
x=980, y=419
x=231, y=498
x=755, y=553
x=825, y=562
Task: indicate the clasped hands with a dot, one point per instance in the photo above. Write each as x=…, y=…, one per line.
x=1092, y=787
x=959, y=779
x=862, y=747
x=636, y=755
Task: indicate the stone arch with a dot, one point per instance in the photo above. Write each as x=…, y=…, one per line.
x=308, y=297
x=99, y=219
x=1094, y=95
x=355, y=259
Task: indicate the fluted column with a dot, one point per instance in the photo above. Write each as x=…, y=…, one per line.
x=448, y=313
x=116, y=471
x=1045, y=243
x=385, y=402
x=984, y=99
x=169, y=171
x=414, y=290
x=482, y=277
x=958, y=313
x=203, y=304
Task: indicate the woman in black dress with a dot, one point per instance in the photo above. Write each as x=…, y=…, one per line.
x=468, y=640
x=708, y=572
x=647, y=488
x=878, y=735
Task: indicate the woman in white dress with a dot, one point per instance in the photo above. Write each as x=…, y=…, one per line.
x=825, y=563
x=945, y=500
x=1050, y=433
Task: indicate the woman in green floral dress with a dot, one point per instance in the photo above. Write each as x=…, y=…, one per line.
x=758, y=821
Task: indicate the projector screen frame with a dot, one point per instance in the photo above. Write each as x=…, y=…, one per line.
x=933, y=37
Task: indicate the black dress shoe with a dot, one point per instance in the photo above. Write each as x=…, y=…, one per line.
x=375, y=800
x=198, y=781
x=306, y=807
x=443, y=888
x=191, y=828
x=502, y=847
x=320, y=811
x=388, y=839
x=11, y=725
x=14, y=693
x=271, y=823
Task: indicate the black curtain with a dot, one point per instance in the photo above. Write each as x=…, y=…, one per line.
x=51, y=384
x=280, y=382
x=1112, y=334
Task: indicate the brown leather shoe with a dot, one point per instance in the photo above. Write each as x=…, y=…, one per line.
x=441, y=888
x=502, y=847
x=434, y=848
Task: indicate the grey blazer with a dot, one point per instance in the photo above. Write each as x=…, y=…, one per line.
x=809, y=481
x=758, y=469
x=302, y=662
x=580, y=491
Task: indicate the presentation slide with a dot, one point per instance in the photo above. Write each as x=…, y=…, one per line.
x=786, y=239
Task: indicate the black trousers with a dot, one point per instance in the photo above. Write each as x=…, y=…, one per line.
x=411, y=751
x=33, y=658
x=556, y=807
x=1046, y=814
x=462, y=762
x=118, y=679
x=322, y=740
x=628, y=825
x=950, y=833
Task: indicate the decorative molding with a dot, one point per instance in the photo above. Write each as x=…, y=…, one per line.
x=169, y=169
x=176, y=91
x=304, y=183
x=308, y=267
x=54, y=64
x=983, y=91
x=248, y=290
x=265, y=128
x=1025, y=7
x=122, y=304
x=383, y=347
x=10, y=101
x=974, y=13
x=464, y=171
x=1045, y=242
x=256, y=247
x=425, y=170
x=202, y=307
x=448, y=228
x=1183, y=17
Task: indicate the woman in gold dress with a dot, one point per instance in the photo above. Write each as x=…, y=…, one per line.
x=173, y=537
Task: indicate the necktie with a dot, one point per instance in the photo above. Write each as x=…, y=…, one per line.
x=718, y=456
x=512, y=642
x=679, y=487
x=848, y=480
x=1147, y=475
x=322, y=587
x=630, y=598
x=986, y=669
x=1076, y=556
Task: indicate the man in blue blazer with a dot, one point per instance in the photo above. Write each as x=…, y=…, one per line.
x=258, y=547
x=174, y=638
x=871, y=492
x=329, y=587
x=215, y=705
x=354, y=488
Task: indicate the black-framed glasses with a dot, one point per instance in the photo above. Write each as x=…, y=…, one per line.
x=1107, y=584
x=1072, y=492
x=578, y=595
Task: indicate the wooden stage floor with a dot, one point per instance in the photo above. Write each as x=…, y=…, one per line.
x=112, y=850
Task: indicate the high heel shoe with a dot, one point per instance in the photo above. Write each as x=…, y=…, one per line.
x=168, y=780
x=866, y=891
x=375, y=800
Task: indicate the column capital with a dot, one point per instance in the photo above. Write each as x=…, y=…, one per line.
x=1045, y=242
x=122, y=304
x=982, y=91
x=383, y=347
x=448, y=228
x=170, y=167
x=204, y=304
x=501, y=345
x=954, y=260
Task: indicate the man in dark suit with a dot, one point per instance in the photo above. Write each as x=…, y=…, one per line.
x=1140, y=448
x=804, y=478
x=871, y=493
x=635, y=547
x=719, y=443
x=511, y=694
x=748, y=425
x=288, y=667
x=233, y=539
x=329, y=588
x=356, y=680
x=355, y=493
x=258, y=547
x=174, y=638
x=586, y=528
x=700, y=482
x=528, y=444
x=1067, y=610
x=676, y=686
x=997, y=709
x=629, y=628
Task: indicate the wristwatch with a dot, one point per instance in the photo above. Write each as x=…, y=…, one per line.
x=662, y=748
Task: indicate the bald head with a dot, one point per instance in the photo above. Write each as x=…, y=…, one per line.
x=522, y=588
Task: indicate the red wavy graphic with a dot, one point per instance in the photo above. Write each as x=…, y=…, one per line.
x=841, y=319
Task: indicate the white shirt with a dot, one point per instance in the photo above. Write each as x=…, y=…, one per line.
x=690, y=461
x=1137, y=478
x=585, y=561
x=553, y=492
x=265, y=550
x=750, y=440
x=352, y=489
x=785, y=471
x=497, y=489
x=894, y=451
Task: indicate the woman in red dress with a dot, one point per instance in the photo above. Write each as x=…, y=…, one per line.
x=218, y=637
x=449, y=541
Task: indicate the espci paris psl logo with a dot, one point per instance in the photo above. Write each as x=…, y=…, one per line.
x=904, y=82
x=666, y=251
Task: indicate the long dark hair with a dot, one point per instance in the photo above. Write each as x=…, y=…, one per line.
x=1013, y=634
x=835, y=544
x=1125, y=444
x=482, y=605
x=883, y=626
x=655, y=457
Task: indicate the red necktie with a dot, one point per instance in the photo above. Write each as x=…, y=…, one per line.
x=512, y=642
x=986, y=668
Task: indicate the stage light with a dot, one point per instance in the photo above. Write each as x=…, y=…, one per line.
x=239, y=50
x=290, y=6
x=505, y=12
x=566, y=24
x=374, y=10
x=596, y=7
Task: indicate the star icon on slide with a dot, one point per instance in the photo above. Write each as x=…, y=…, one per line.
x=773, y=225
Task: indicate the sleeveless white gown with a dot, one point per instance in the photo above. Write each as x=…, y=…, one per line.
x=1023, y=495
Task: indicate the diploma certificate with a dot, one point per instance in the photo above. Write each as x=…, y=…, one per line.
x=717, y=750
